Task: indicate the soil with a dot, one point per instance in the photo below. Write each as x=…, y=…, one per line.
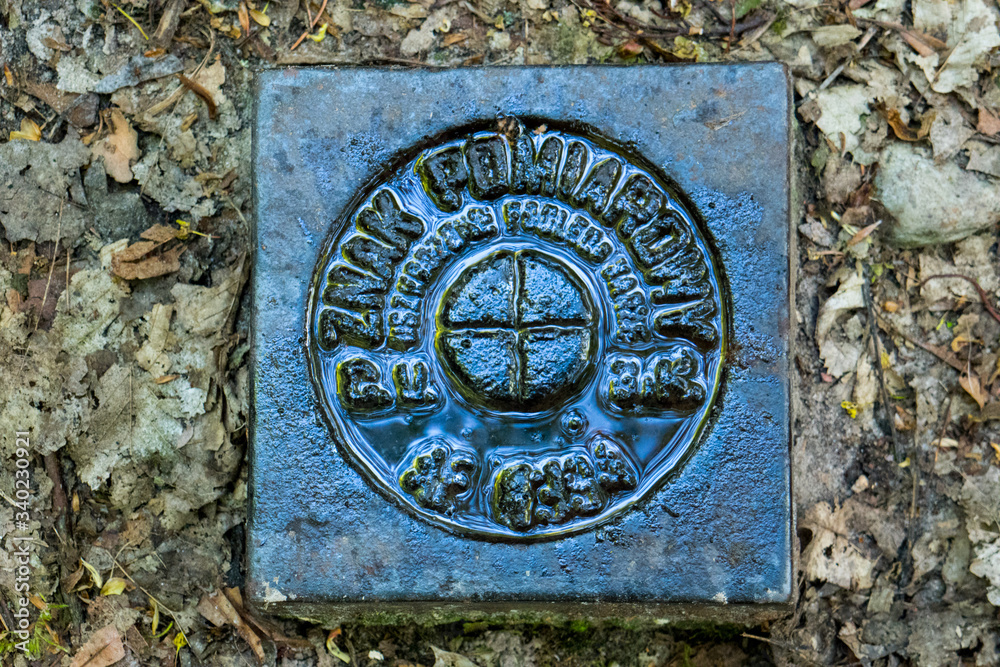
x=124, y=210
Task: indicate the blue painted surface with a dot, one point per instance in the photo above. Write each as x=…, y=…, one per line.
x=719, y=530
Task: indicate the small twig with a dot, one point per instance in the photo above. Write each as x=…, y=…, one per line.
x=5, y=616
x=946, y=420
x=52, y=265
x=168, y=23
x=749, y=41
x=350, y=648
x=982, y=293
x=69, y=257
x=201, y=92
x=732, y=22
x=239, y=213
x=131, y=414
x=755, y=21
x=133, y=21
x=152, y=597
x=173, y=97
x=866, y=292
x=312, y=24
x=482, y=17
x=610, y=15
x=941, y=354
x=857, y=49
x=60, y=504
x=59, y=501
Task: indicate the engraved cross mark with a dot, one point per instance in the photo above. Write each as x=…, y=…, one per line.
x=515, y=331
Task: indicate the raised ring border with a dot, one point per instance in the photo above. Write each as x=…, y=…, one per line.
x=663, y=467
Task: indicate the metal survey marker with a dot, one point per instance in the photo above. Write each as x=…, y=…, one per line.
x=521, y=342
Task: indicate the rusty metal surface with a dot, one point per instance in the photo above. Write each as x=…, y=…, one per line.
x=347, y=515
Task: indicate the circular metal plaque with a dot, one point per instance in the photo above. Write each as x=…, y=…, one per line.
x=517, y=332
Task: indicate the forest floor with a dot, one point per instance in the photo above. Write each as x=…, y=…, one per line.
x=124, y=200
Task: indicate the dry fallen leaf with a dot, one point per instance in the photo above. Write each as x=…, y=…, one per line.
x=260, y=18
x=210, y=610
x=95, y=576
x=244, y=17
x=333, y=649
x=102, y=649
x=70, y=581
x=220, y=611
x=988, y=123
x=903, y=131
x=136, y=263
x=444, y=658
x=864, y=233
x=14, y=300
x=80, y=110
x=114, y=586
x=959, y=341
x=630, y=49
x=970, y=383
x=119, y=149
x=150, y=267
x=155, y=623
x=29, y=131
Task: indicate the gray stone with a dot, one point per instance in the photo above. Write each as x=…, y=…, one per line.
x=932, y=203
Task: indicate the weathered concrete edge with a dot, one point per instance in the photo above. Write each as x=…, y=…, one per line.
x=620, y=614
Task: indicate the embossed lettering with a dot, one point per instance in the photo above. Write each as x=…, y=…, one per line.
x=669, y=381
x=574, y=170
x=614, y=471
x=631, y=308
x=636, y=203
x=363, y=329
x=683, y=278
x=403, y=318
x=555, y=490
x=487, y=158
x=693, y=323
x=525, y=178
x=359, y=386
x=549, y=221
x=371, y=255
x=587, y=306
x=439, y=475
x=430, y=255
x=593, y=195
x=674, y=380
x=658, y=240
x=547, y=166
x=347, y=287
x=444, y=177
x=414, y=388
x=623, y=384
x=388, y=222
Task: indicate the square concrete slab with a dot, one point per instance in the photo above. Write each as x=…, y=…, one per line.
x=520, y=343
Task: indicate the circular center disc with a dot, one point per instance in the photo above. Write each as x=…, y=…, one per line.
x=515, y=331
